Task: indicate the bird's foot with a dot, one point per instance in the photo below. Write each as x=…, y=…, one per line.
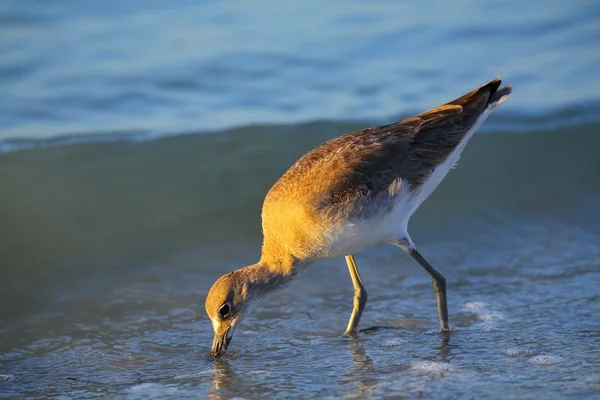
x=351, y=333
x=447, y=330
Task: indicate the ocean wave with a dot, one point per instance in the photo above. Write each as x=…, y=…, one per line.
x=501, y=122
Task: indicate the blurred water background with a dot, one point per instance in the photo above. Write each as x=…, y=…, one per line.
x=138, y=139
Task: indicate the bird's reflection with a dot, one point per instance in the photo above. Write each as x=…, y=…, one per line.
x=224, y=381
x=363, y=371
x=362, y=374
x=361, y=360
x=444, y=349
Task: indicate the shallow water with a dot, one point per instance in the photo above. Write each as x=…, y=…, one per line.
x=111, y=241
x=110, y=292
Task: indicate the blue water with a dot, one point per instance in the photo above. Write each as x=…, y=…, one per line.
x=137, y=142
x=80, y=67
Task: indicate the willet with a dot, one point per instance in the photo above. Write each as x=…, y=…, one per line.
x=348, y=194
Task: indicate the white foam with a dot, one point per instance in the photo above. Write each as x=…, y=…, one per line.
x=519, y=351
x=6, y=378
x=475, y=306
x=546, y=359
x=394, y=342
x=431, y=366
x=145, y=386
x=489, y=318
x=256, y=372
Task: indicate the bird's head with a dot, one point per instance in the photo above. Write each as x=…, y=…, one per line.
x=225, y=305
x=234, y=295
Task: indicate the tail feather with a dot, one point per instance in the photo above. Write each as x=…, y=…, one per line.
x=500, y=94
x=485, y=96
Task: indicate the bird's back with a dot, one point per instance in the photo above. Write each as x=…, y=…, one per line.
x=361, y=175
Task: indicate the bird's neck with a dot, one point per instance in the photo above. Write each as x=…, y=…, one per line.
x=278, y=261
x=275, y=270
x=262, y=279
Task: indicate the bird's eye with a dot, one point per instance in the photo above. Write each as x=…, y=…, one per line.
x=224, y=310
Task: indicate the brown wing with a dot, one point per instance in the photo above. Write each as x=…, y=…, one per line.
x=368, y=161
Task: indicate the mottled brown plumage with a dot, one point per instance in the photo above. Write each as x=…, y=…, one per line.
x=343, y=177
x=352, y=192
x=367, y=161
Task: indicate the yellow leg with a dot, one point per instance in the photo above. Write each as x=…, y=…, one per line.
x=360, y=296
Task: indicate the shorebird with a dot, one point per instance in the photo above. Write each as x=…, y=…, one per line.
x=348, y=194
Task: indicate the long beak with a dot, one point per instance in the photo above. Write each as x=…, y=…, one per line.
x=220, y=343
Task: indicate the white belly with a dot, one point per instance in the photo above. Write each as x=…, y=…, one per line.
x=353, y=236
